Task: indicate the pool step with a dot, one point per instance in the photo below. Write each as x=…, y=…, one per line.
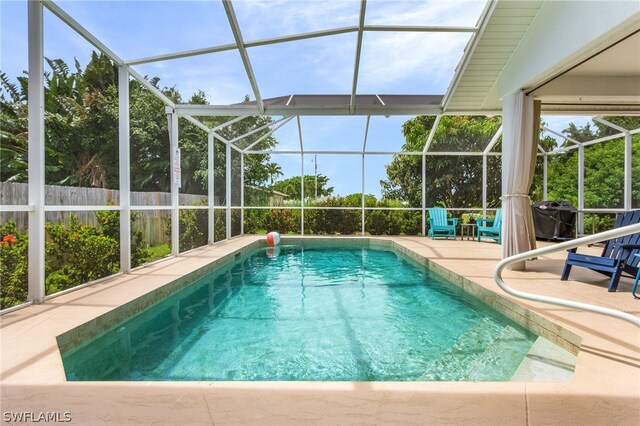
x=453, y=364
x=502, y=357
x=477, y=355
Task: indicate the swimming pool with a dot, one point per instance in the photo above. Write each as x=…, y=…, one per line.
x=310, y=313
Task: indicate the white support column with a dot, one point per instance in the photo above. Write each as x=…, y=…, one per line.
x=36, y=153
x=545, y=170
x=210, y=187
x=628, y=200
x=228, y=190
x=362, y=225
x=424, y=195
x=364, y=150
x=124, y=169
x=580, y=190
x=485, y=153
x=302, y=194
x=427, y=144
x=484, y=185
x=174, y=184
x=241, y=194
x=302, y=177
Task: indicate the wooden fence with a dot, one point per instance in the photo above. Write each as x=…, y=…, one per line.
x=151, y=222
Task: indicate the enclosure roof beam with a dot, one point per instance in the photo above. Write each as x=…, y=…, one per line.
x=182, y=54
x=610, y=124
x=256, y=130
x=430, y=153
x=420, y=29
x=595, y=141
x=356, y=67
x=83, y=32
x=493, y=142
x=565, y=137
x=432, y=133
x=317, y=110
x=225, y=141
x=300, y=36
x=242, y=49
x=611, y=137
x=248, y=44
x=93, y=40
x=228, y=123
x=152, y=88
x=263, y=137
x=197, y=123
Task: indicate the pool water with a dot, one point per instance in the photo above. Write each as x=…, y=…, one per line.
x=304, y=313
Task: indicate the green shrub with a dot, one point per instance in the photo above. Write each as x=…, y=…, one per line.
x=83, y=253
x=192, y=227
x=109, y=225
x=13, y=266
x=74, y=255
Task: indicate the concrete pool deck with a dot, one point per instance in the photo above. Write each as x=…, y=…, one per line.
x=605, y=388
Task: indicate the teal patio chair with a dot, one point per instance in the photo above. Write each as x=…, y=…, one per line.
x=491, y=227
x=440, y=225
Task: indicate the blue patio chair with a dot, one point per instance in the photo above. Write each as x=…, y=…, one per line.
x=635, y=284
x=491, y=227
x=619, y=254
x=440, y=225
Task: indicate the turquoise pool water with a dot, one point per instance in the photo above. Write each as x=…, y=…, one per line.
x=321, y=314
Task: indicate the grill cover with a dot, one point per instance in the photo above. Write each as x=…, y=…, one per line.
x=554, y=220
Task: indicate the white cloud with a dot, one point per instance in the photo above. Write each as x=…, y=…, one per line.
x=264, y=19
x=418, y=63
x=431, y=12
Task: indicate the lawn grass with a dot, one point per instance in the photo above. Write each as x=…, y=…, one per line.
x=159, y=251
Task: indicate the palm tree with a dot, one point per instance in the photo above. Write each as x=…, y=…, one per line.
x=273, y=170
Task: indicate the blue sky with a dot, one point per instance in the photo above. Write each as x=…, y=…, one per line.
x=410, y=63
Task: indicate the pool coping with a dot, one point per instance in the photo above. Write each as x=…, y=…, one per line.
x=605, y=389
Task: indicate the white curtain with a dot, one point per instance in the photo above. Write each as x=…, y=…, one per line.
x=521, y=124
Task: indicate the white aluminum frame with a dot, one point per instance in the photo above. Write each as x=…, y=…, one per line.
x=36, y=169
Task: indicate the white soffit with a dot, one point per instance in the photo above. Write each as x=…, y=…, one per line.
x=603, y=78
x=507, y=24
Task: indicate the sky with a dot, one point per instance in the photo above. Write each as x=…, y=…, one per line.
x=391, y=63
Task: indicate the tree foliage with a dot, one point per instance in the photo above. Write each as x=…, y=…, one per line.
x=603, y=162
x=81, y=133
x=451, y=180
x=291, y=187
